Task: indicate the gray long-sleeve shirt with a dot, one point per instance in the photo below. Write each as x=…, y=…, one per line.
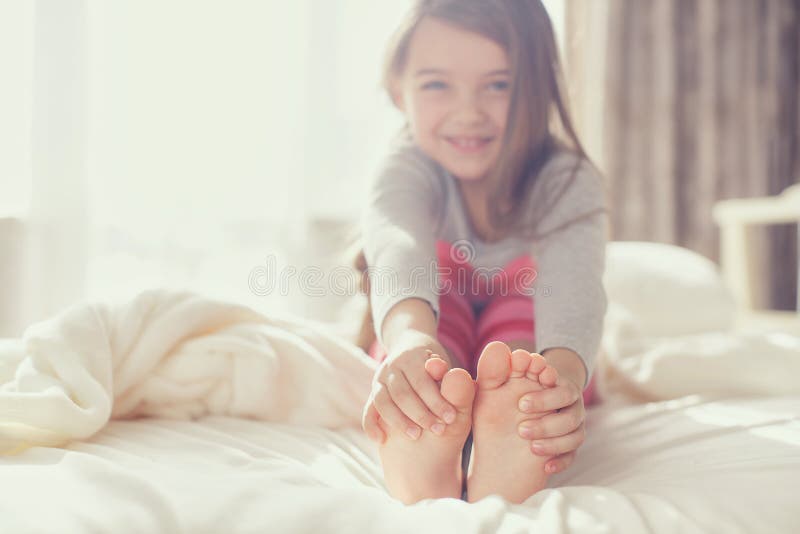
x=414, y=201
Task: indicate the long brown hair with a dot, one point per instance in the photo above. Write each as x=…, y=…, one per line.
x=539, y=123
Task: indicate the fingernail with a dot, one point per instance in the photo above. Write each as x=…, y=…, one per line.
x=449, y=416
x=550, y=468
x=438, y=429
x=413, y=432
x=525, y=405
x=537, y=446
x=526, y=431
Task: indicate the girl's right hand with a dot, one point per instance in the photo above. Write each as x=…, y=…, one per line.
x=406, y=397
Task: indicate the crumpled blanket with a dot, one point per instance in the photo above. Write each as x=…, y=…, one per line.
x=638, y=367
x=176, y=355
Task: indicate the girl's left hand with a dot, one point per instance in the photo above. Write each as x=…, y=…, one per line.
x=560, y=433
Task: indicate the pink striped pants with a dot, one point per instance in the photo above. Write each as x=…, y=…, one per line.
x=505, y=311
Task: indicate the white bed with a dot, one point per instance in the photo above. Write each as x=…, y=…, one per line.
x=698, y=431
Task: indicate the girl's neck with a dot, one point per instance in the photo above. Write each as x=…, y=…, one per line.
x=475, y=195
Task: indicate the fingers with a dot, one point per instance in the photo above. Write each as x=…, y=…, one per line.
x=561, y=444
x=554, y=424
x=430, y=393
x=407, y=395
x=418, y=396
x=393, y=416
x=369, y=422
x=547, y=400
x=559, y=464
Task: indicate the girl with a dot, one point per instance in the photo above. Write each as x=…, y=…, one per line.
x=485, y=205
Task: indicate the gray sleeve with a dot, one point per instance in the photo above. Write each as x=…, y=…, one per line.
x=570, y=300
x=398, y=228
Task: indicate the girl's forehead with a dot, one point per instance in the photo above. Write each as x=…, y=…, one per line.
x=438, y=45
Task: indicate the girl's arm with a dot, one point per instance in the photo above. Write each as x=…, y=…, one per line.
x=398, y=228
x=570, y=299
x=570, y=307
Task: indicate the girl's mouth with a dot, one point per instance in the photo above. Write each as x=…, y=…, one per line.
x=469, y=145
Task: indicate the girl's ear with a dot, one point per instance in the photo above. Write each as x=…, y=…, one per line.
x=397, y=96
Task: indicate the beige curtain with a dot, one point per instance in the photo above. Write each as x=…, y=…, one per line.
x=697, y=101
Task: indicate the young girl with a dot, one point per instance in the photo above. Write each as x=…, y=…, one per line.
x=485, y=206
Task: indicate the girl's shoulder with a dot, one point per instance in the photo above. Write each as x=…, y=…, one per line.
x=567, y=170
x=568, y=186
x=564, y=161
x=404, y=164
x=403, y=147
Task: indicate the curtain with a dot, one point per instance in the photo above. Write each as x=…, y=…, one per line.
x=701, y=102
x=196, y=145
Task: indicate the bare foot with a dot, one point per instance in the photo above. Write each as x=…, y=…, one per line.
x=430, y=466
x=502, y=462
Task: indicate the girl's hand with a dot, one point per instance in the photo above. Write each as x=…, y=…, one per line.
x=562, y=432
x=406, y=396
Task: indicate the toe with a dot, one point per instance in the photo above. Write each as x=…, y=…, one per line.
x=549, y=375
x=436, y=368
x=459, y=389
x=538, y=363
x=494, y=365
x=520, y=362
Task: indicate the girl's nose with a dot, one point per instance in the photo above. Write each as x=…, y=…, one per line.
x=468, y=111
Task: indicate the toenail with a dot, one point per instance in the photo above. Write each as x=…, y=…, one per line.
x=537, y=446
x=449, y=416
x=437, y=428
x=525, y=405
x=526, y=431
x=413, y=432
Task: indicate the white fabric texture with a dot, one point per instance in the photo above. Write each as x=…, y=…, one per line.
x=687, y=466
x=178, y=355
x=669, y=290
x=714, y=363
x=254, y=427
x=668, y=331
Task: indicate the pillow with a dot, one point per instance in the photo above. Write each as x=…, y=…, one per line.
x=668, y=290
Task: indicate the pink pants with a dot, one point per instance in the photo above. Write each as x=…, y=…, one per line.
x=505, y=310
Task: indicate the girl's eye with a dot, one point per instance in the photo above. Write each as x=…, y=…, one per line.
x=433, y=85
x=500, y=86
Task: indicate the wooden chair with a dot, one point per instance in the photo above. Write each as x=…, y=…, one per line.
x=739, y=260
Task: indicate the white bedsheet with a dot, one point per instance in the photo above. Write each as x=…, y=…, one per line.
x=674, y=466
x=710, y=463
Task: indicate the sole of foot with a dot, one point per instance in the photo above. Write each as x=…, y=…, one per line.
x=502, y=462
x=430, y=466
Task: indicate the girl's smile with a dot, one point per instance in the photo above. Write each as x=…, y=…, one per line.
x=469, y=145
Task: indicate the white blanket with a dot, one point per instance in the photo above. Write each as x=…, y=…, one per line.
x=686, y=465
x=175, y=355
x=642, y=367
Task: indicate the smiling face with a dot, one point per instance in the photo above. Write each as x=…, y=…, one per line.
x=455, y=93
